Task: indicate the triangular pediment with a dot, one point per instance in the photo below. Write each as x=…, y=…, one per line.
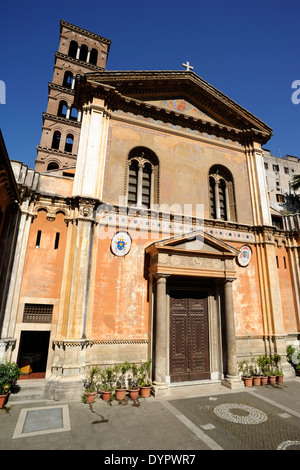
x=198, y=242
x=184, y=106
x=173, y=96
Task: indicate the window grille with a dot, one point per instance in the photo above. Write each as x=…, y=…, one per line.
x=37, y=313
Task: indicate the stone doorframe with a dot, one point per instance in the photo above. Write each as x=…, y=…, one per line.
x=199, y=256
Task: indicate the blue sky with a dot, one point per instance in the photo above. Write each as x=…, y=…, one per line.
x=249, y=50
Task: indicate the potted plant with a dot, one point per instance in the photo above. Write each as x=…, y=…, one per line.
x=9, y=374
x=121, y=371
x=133, y=382
x=262, y=364
x=256, y=373
x=90, y=385
x=293, y=357
x=279, y=375
x=107, y=383
x=144, y=379
x=246, y=369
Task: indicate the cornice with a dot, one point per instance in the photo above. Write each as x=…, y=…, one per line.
x=88, y=87
x=157, y=83
x=53, y=117
x=84, y=31
x=54, y=86
x=86, y=65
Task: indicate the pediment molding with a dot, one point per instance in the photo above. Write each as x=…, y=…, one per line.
x=135, y=92
x=198, y=254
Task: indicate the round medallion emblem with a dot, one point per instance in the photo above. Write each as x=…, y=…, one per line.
x=245, y=255
x=121, y=244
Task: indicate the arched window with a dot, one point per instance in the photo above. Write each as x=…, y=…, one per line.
x=56, y=140
x=221, y=194
x=68, y=79
x=132, y=182
x=73, y=49
x=93, y=57
x=62, y=109
x=69, y=143
x=142, y=185
x=73, y=114
x=52, y=166
x=83, y=52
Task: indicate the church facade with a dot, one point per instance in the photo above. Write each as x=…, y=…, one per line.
x=151, y=236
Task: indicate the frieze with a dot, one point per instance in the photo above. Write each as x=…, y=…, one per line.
x=192, y=261
x=157, y=225
x=88, y=343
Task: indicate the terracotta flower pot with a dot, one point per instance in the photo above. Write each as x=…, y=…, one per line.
x=3, y=400
x=145, y=391
x=120, y=393
x=264, y=380
x=272, y=379
x=90, y=397
x=106, y=395
x=248, y=381
x=279, y=379
x=133, y=394
x=257, y=380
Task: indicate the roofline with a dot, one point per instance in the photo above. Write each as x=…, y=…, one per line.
x=85, y=31
x=4, y=155
x=188, y=75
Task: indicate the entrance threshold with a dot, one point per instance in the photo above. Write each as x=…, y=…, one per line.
x=195, y=383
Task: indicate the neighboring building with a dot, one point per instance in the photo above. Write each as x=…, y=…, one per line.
x=161, y=246
x=279, y=175
x=9, y=226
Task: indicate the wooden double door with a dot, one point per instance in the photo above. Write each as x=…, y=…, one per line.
x=189, y=336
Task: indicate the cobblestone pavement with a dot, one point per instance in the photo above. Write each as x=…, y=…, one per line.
x=260, y=418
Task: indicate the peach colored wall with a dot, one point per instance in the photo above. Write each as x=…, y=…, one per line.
x=246, y=298
x=184, y=167
x=286, y=290
x=121, y=293
x=44, y=265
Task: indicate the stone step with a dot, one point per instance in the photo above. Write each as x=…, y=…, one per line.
x=30, y=390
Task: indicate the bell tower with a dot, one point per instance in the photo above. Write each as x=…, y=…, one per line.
x=79, y=51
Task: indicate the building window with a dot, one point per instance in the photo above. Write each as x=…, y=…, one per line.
x=142, y=178
x=68, y=80
x=275, y=168
x=221, y=194
x=266, y=166
x=37, y=313
x=286, y=170
x=83, y=53
x=73, y=114
x=56, y=243
x=73, y=49
x=52, y=166
x=62, y=109
x=69, y=143
x=93, y=57
x=38, y=239
x=56, y=140
x=279, y=198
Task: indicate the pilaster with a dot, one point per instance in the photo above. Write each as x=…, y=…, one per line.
x=89, y=176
